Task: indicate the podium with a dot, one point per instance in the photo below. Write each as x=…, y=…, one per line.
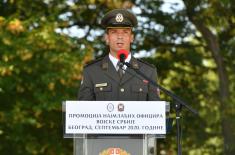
x=115, y=127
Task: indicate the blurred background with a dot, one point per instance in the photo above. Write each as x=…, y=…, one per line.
x=44, y=45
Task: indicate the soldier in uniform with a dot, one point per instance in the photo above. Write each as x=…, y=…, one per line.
x=101, y=79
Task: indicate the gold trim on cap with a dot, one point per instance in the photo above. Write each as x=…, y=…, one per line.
x=113, y=27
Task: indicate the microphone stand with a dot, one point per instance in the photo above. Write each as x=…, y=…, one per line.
x=179, y=103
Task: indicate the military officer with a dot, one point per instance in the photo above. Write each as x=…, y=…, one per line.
x=101, y=80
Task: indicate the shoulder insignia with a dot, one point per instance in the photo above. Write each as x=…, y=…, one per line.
x=93, y=61
x=151, y=65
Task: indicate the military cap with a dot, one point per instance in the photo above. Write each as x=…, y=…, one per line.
x=119, y=18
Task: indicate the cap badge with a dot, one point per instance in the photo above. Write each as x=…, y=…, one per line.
x=119, y=18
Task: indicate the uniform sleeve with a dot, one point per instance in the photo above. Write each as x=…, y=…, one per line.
x=153, y=93
x=86, y=92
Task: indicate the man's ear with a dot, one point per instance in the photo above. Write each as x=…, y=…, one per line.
x=106, y=39
x=132, y=38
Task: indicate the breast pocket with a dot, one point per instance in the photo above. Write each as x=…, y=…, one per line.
x=140, y=91
x=102, y=93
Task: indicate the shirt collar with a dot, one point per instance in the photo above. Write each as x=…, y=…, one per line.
x=115, y=60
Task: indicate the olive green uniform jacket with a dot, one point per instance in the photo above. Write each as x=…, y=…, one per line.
x=101, y=82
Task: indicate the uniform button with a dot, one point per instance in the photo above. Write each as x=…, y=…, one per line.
x=101, y=88
x=141, y=89
x=122, y=89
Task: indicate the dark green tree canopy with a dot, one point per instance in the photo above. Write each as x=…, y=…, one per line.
x=44, y=45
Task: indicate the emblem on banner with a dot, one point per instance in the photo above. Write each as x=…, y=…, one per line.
x=110, y=107
x=114, y=151
x=121, y=107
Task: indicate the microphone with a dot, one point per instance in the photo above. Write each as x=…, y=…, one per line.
x=122, y=55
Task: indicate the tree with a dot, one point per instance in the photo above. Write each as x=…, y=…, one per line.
x=39, y=68
x=41, y=64
x=223, y=25
x=193, y=45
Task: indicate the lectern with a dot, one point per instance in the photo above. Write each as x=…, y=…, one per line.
x=115, y=127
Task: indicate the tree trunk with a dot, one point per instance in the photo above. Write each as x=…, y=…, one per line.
x=214, y=47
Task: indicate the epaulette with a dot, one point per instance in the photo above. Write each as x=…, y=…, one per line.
x=93, y=61
x=149, y=64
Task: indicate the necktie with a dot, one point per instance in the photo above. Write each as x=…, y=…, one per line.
x=120, y=71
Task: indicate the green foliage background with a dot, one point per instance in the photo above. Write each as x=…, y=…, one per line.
x=41, y=65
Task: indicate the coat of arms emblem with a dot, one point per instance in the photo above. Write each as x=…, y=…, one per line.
x=121, y=107
x=114, y=151
x=119, y=18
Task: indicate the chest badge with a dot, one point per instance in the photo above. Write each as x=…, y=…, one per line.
x=101, y=85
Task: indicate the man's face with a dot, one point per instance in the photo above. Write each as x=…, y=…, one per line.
x=119, y=38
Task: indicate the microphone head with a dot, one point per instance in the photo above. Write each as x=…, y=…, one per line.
x=122, y=55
